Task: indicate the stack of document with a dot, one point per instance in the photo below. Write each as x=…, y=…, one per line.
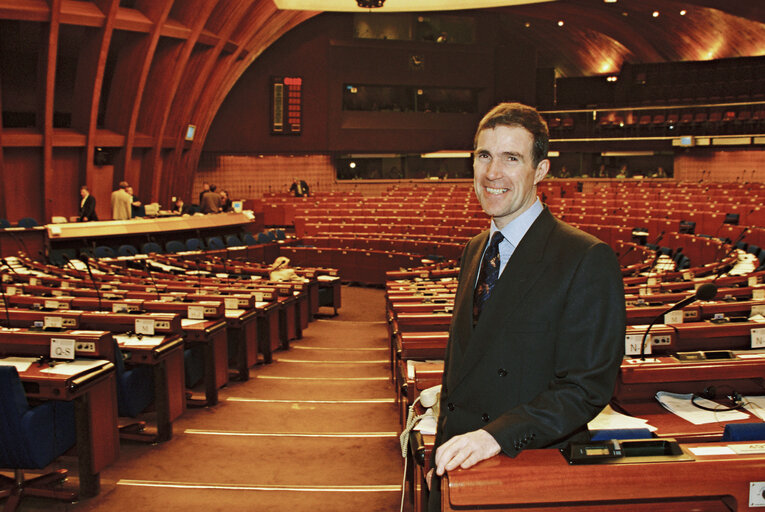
x=682, y=405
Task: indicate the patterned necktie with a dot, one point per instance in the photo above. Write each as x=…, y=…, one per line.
x=488, y=276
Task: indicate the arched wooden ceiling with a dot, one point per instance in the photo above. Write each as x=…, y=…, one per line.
x=146, y=69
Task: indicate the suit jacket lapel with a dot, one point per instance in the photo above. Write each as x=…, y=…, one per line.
x=464, y=300
x=523, y=270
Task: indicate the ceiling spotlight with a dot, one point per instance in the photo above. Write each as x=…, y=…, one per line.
x=683, y=12
x=527, y=25
x=655, y=14
x=560, y=23
x=610, y=1
x=370, y=4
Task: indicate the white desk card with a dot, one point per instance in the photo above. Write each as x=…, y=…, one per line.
x=258, y=296
x=758, y=309
x=196, y=312
x=674, y=317
x=11, y=290
x=119, y=307
x=33, y=281
x=51, y=304
x=62, y=348
x=55, y=322
x=752, y=281
x=144, y=326
x=633, y=342
x=758, y=293
x=231, y=303
x=758, y=337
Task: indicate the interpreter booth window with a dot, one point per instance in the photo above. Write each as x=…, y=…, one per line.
x=400, y=98
x=426, y=166
x=436, y=28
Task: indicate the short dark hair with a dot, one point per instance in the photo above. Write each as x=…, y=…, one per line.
x=517, y=114
x=212, y=188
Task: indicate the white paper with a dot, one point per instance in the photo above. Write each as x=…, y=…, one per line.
x=711, y=450
x=74, y=367
x=755, y=405
x=128, y=341
x=681, y=406
x=22, y=364
x=185, y=322
x=609, y=419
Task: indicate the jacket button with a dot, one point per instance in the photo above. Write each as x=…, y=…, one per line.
x=450, y=406
x=485, y=417
x=502, y=372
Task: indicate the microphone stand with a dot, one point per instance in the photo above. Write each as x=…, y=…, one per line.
x=151, y=276
x=84, y=259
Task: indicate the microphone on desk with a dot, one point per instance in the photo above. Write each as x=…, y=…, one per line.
x=5, y=262
x=84, y=258
x=151, y=276
x=706, y=291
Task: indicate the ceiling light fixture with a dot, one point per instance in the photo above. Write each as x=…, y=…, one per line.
x=683, y=12
x=560, y=23
x=370, y=4
x=655, y=14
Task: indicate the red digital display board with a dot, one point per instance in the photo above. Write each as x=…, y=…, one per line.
x=286, y=105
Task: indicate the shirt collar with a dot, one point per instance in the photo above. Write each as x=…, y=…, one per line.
x=516, y=228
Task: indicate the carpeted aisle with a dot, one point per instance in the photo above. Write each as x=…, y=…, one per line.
x=314, y=431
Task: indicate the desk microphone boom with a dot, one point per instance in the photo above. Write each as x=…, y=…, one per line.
x=706, y=291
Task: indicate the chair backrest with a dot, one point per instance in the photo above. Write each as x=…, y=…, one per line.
x=263, y=238
x=215, y=242
x=4, y=223
x=249, y=239
x=174, y=246
x=104, y=251
x=27, y=222
x=233, y=241
x=13, y=405
x=127, y=250
x=194, y=244
x=280, y=235
x=151, y=247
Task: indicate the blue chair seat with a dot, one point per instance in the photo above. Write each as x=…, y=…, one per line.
x=151, y=247
x=215, y=242
x=174, y=246
x=104, y=251
x=194, y=244
x=33, y=437
x=127, y=250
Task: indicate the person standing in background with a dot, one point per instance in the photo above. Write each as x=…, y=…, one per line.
x=211, y=201
x=136, y=208
x=205, y=188
x=121, y=202
x=87, y=210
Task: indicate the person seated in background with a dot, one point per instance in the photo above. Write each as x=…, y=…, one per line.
x=87, y=205
x=210, y=202
x=181, y=208
x=225, y=202
x=623, y=173
x=299, y=188
x=564, y=173
x=660, y=173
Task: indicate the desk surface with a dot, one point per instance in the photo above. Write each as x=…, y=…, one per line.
x=138, y=226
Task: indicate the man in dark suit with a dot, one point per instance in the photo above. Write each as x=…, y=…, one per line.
x=87, y=205
x=530, y=365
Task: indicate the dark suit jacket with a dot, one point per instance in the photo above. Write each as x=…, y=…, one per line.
x=543, y=358
x=88, y=209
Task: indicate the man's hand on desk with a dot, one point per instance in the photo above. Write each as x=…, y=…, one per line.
x=465, y=451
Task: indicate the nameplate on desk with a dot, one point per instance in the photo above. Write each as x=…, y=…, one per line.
x=53, y=322
x=120, y=308
x=758, y=309
x=231, y=303
x=758, y=293
x=144, y=326
x=196, y=312
x=753, y=281
x=11, y=290
x=7, y=278
x=62, y=348
x=64, y=284
x=674, y=317
x=33, y=281
x=758, y=337
x=51, y=304
x=742, y=449
x=633, y=342
x=258, y=296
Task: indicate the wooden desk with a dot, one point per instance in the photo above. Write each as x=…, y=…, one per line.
x=94, y=394
x=211, y=335
x=538, y=480
x=166, y=361
x=242, y=328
